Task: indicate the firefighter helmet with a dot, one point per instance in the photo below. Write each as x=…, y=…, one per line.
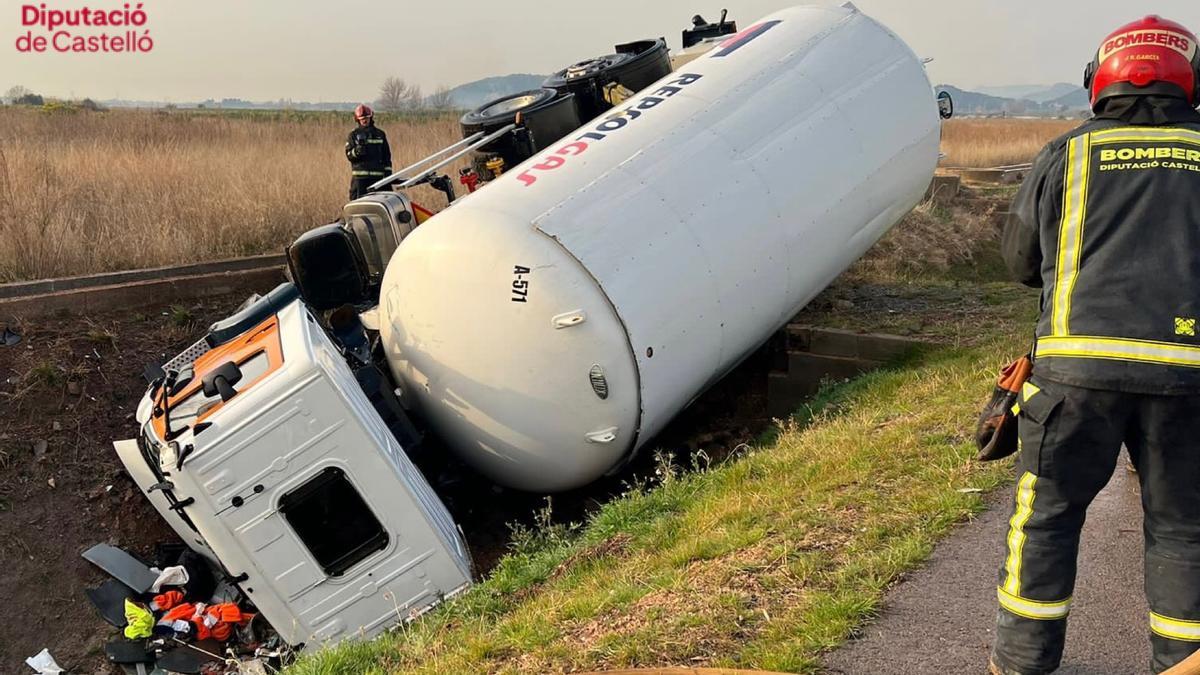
x=363, y=112
x=1149, y=56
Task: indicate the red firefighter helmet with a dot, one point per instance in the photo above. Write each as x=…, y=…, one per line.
x=363, y=112
x=1149, y=56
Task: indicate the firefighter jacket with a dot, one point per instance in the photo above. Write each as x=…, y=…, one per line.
x=368, y=152
x=1107, y=224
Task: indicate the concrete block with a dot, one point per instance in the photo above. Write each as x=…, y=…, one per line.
x=786, y=394
x=851, y=345
x=140, y=294
x=943, y=189
x=818, y=367
x=21, y=289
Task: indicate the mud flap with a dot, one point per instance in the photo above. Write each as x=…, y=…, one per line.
x=109, y=600
x=121, y=566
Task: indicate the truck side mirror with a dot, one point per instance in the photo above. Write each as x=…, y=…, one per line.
x=945, y=105
x=221, y=379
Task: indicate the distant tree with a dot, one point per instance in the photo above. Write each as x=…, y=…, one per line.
x=29, y=99
x=440, y=99
x=15, y=93
x=89, y=104
x=396, y=95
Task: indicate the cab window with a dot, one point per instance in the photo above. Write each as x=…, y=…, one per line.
x=333, y=521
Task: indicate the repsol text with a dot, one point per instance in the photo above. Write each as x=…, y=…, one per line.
x=611, y=123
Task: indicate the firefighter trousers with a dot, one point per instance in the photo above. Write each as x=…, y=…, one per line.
x=1070, y=440
x=359, y=185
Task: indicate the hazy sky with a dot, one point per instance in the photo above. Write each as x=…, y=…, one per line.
x=341, y=50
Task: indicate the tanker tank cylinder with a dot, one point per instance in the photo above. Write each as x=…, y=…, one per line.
x=551, y=325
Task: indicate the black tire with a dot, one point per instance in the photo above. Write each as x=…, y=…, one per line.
x=635, y=65
x=546, y=116
x=501, y=112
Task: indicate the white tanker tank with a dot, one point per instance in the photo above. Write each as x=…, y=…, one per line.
x=552, y=323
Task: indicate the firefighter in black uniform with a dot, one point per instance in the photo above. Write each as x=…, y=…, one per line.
x=1107, y=224
x=368, y=152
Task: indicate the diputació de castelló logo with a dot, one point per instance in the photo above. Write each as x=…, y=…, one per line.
x=84, y=30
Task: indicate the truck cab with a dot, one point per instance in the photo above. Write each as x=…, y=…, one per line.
x=277, y=453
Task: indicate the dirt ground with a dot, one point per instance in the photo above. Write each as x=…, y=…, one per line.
x=67, y=391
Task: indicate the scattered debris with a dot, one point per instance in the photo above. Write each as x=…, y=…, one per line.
x=56, y=425
x=121, y=566
x=40, y=446
x=51, y=482
x=44, y=664
x=9, y=337
x=193, y=625
x=98, y=492
x=128, y=651
x=109, y=600
x=176, y=575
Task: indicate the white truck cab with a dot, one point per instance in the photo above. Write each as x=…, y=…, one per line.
x=270, y=458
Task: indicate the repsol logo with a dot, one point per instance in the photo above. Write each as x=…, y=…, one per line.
x=1149, y=38
x=613, y=123
x=1135, y=154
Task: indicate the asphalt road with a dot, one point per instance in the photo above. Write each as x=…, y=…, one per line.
x=939, y=620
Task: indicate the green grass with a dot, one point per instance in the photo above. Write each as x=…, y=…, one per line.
x=180, y=316
x=769, y=560
x=765, y=562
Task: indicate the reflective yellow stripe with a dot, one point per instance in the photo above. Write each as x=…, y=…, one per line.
x=1070, y=233
x=1118, y=349
x=1034, y=609
x=1029, y=390
x=1144, y=135
x=1176, y=629
x=1016, y=533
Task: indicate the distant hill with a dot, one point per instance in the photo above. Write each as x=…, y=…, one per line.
x=1055, y=92
x=1046, y=101
x=1075, y=99
x=475, y=94
x=973, y=102
x=1014, y=91
x=1038, y=93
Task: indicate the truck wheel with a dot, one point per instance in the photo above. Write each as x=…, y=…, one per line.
x=493, y=115
x=546, y=116
x=635, y=65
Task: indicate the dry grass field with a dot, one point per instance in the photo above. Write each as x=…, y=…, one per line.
x=998, y=142
x=91, y=192
x=84, y=192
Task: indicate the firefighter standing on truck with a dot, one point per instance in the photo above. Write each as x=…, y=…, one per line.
x=368, y=152
x=1108, y=225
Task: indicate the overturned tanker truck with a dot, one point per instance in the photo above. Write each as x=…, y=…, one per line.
x=630, y=234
